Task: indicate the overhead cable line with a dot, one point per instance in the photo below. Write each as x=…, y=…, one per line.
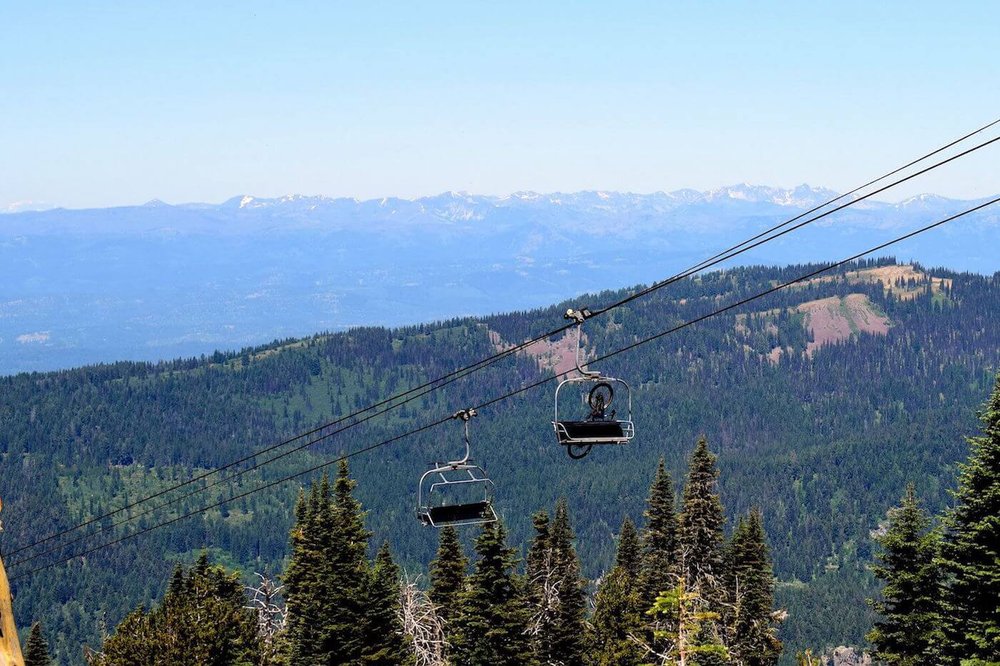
x=433, y=385
x=519, y=391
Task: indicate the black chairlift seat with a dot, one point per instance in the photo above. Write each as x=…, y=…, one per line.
x=592, y=432
x=457, y=513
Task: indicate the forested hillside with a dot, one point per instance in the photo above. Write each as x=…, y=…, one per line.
x=822, y=402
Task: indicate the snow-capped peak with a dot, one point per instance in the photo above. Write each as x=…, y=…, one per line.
x=26, y=206
x=922, y=199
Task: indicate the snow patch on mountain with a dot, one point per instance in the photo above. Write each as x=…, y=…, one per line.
x=25, y=207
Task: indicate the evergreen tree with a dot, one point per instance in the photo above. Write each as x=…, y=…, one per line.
x=701, y=524
x=491, y=629
x=306, y=579
x=617, y=609
x=907, y=632
x=202, y=621
x=564, y=643
x=753, y=639
x=617, y=618
x=539, y=554
x=348, y=571
x=384, y=642
x=686, y=629
x=328, y=575
x=659, y=538
x=629, y=555
x=971, y=547
x=447, y=575
x=36, y=652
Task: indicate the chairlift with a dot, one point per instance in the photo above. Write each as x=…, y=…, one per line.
x=456, y=492
x=598, y=423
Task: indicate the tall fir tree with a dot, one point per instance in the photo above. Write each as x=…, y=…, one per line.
x=491, y=629
x=617, y=616
x=384, y=642
x=539, y=552
x=447, y=576
x=971, y=547
x=327, y=575
x=702, y=520
x=36, y=652
x=908, y=631
x=659, y=537
x=564, y=635
x=349, y=572
x=749, y=613
x=307, y=577
x=629, y=555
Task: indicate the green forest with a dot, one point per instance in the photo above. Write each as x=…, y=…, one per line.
x=813, y=441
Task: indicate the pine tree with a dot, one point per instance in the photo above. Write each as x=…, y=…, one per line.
x=491, y=629
x=539, y=554
x=908, y=629
x=753, y=639
x=384, y=642
x=36, y=652
x=659, y=538
x=348, y=571
x=701, y=524
x=306, y=579
x=447, y=575
x=617, y=618
x=327, y=575
x=565, y=636
x=629, y=555
x=617, y=610
x=971, y=547
x=176, y=632
x=686, y=629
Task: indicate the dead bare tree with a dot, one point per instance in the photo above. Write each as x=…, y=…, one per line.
x=546, y=603
x=422, y=624
x=271, y=616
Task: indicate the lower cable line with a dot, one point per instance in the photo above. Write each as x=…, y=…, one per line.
x=511, y=394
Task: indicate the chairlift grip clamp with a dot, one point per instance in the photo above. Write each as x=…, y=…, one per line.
x=465, y=414
x=578, y=316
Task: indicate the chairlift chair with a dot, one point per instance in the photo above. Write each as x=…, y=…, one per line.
x=457, y=492
x=599, y=425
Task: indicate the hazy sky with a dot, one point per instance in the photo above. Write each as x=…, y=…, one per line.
x=118, y=103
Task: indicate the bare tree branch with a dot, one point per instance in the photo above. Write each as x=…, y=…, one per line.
x=422, y=624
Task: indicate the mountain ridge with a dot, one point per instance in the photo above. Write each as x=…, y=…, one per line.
x=801, y=196
x=158, y=280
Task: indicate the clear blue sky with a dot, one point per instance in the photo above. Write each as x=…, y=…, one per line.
x=118, y=103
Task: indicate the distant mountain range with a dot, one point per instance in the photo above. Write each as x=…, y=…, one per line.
x=160, y=280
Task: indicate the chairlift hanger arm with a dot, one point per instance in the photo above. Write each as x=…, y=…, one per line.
x=580, y=316
x=464, y=415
